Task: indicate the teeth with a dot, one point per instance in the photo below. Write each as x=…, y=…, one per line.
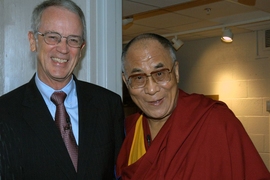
x=59, y=60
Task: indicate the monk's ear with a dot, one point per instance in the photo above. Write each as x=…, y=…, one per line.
x=176, y=71
x=32, y=41
x=124, y=79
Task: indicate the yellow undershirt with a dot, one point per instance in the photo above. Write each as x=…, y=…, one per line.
x=137, y=148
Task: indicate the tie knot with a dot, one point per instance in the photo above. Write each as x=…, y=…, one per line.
x=58, y=97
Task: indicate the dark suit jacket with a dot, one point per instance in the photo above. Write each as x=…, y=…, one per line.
x=32, y=147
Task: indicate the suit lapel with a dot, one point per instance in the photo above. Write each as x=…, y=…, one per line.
x=87, y=125
x=39, y=119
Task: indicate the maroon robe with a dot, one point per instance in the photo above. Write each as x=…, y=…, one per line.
x=202, y=140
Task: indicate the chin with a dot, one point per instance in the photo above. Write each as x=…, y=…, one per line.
x=156, y=115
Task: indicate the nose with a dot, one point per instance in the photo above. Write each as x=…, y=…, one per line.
x=151, y=87
x=62, y=46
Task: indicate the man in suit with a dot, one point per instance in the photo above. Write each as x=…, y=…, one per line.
x=32, y=146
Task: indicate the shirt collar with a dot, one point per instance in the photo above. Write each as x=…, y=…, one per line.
x=47, y=91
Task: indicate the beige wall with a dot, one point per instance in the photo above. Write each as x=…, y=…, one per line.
x=239, y=73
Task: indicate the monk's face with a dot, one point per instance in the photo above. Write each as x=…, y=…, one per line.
x=156, y=100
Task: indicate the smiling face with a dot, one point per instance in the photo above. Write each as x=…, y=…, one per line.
x=157, y=101
x=57, y=62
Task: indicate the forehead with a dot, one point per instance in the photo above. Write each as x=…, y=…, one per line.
x=60, y=17
x=147, y=54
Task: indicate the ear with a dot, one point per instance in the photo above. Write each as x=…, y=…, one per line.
x=176, y=71
x=32, y=41
x=82, y=47
x=124, y=79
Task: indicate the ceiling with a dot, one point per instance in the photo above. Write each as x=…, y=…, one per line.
x=194, y=19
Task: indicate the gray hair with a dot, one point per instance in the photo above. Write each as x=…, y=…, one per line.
x=67, y=4
x=148, y=36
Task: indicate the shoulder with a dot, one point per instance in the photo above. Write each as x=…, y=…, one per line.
x=11, y=108
x=198, y=106
x=19, y=93
x=91, y=88
x=97, y=96
x=13, y=96
x=131, y=120
x=195, y=98
x=216, y=112
x=221, y=114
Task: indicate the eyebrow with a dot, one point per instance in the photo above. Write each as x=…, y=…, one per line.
x=62, y=35
x=136, y=70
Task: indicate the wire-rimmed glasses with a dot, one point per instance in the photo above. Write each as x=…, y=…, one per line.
x=160, y=76
x=53, y=38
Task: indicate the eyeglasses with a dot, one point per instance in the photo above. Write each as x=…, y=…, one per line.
x=53, y=38
x=161, y=76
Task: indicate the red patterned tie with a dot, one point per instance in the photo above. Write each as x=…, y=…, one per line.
x=62, y=121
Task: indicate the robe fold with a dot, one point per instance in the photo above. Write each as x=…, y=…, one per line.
x=201, y=140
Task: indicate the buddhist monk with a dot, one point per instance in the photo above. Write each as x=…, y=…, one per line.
x=177, y=135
